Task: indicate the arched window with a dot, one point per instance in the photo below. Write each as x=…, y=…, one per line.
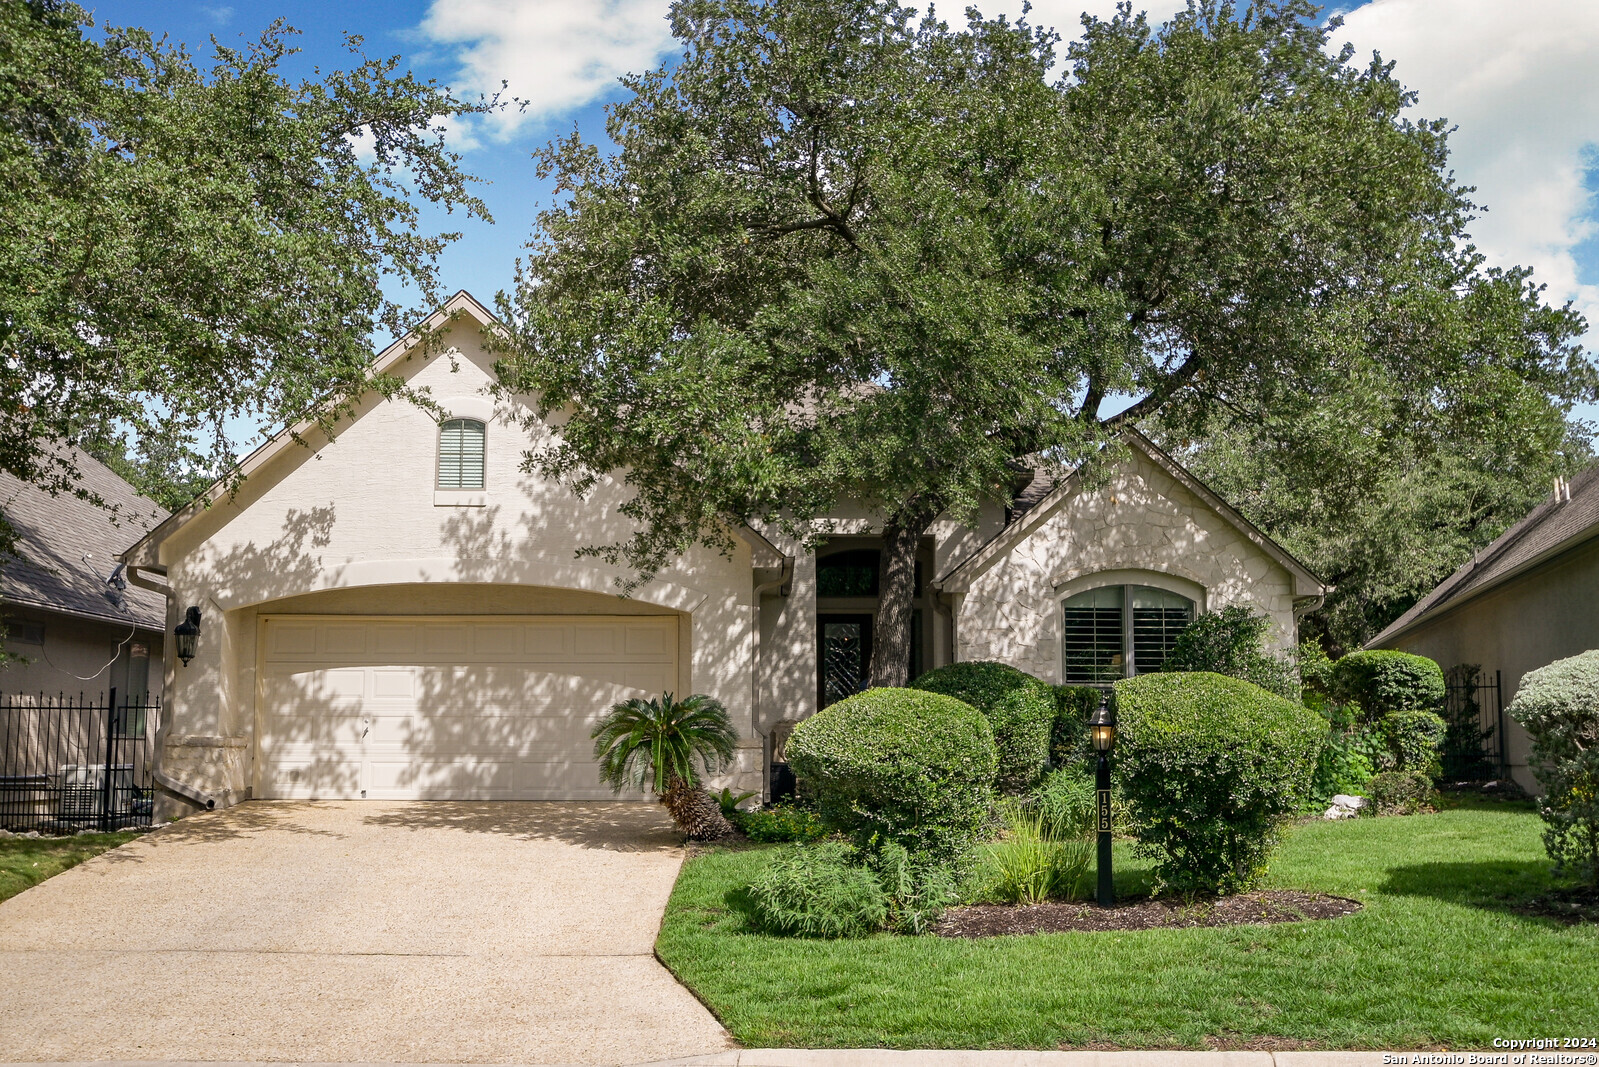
x=461, y=454
x=1117, y=631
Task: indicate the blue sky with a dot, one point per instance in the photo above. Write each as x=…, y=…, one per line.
x=1516, y=78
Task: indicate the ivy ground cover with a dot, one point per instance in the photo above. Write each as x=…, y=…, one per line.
x=1446, y=952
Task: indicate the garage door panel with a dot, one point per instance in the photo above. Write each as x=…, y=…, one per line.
x=453, y=708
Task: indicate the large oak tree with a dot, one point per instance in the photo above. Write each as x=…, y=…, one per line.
x=181, y=246
x=842, y=251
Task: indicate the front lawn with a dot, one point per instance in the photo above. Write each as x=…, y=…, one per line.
x=27, y=861
x=1439, y=957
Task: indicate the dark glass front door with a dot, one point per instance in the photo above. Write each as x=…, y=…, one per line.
x=844, y=656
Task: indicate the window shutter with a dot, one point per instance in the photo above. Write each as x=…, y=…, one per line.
x=1158, y=617
x=1092, y=636
x=461, y=454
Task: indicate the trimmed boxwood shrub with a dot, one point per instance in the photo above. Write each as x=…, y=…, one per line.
x=1401, y=793
x=1414, y=739
x=1019, y=707
x=1068, y=739
x=1211, y=766
x=900, y=765
x=1559, y=707
x=1382, y=681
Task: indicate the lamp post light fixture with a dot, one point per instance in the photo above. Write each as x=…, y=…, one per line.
x=187, y=634
x=1102, y=731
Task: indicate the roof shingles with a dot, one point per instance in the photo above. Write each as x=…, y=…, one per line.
x=67, y=547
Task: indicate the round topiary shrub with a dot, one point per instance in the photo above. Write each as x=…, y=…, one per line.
x=1019, y=707
x=1210, y=767
x=900, y=765
x=1558, y=705
x=1383, y=681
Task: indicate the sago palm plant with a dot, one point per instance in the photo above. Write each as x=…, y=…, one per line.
x=655, y=743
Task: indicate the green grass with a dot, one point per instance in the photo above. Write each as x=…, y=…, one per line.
x=27, y=861
x=1438, y=957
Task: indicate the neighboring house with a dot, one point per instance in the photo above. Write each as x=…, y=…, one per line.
x=401, y=612
x=1526, y=600
x=72, y=621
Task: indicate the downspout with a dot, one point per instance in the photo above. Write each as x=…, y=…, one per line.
x=159, y=584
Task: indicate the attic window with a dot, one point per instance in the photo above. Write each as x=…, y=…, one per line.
x=1117, y=631
x=461, y=454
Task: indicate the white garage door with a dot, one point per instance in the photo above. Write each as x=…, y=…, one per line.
x=447, y=708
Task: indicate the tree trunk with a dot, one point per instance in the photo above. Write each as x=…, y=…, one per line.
x=896, y=588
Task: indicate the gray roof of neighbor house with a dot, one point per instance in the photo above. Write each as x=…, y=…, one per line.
x=1548, y=530
x=67, y=547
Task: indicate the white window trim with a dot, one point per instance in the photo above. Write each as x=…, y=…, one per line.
x=443, y=497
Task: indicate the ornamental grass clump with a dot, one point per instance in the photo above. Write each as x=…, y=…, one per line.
x=1211, y=767
x=1558, y=705
x=818, y=891
x=902, y=766
x=1019, y=707
x=1032, y=863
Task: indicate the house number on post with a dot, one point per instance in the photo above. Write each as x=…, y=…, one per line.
x=1104, y=811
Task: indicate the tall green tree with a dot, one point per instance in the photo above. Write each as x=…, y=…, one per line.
x=182, y=246
x=844, y=251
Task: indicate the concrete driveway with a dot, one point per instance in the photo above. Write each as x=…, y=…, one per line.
x=358, y=932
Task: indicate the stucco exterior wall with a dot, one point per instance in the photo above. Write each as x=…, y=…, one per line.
x=355, y=525
x=1140, y=526
x=77, y=656
x=1529, y=622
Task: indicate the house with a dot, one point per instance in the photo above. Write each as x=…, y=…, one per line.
x=401, y=612
x=72, y=622
x=1523, y=602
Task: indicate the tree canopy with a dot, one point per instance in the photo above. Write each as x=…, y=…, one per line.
x=180, y=247
x=844, y=251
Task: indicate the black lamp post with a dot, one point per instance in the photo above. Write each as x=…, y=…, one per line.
x=1102, y=731
x=187, y=634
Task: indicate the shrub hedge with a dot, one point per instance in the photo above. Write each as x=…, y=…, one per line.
x=1211, y=766
x=1019, y=707
x=1384, y=681
x=1414, y=740
x=1401, y=793
x=1559, y=707
x=1068, y=740
x=900, y=765
x=1232, y=641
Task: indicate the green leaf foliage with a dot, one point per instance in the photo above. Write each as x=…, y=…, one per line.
x=1030, y=864
x=1401, y=793
x=1211, y=766
x=900, y=765
x=1068, y=739
x=1232, y=641
x=653, y=743
x=818, y=891
x=1381, y=681
x=185, y=245
x=1019, y=707
x=1414, y=740
x=1558, y=705
x=781, y=822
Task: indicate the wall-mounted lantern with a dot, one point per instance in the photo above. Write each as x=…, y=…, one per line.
x=187, y=634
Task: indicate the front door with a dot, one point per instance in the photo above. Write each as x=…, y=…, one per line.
x=844, y=657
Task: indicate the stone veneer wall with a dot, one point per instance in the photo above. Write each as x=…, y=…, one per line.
x=1140, y=527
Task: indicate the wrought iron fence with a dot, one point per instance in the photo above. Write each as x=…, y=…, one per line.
x=1474, y=747
x=75, y=763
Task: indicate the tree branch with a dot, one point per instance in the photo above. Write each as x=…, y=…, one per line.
x=1158, y=396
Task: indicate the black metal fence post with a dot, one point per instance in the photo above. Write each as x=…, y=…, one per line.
x=1499, y=728
x=110, y=755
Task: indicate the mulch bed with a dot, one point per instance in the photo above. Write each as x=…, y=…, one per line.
x=1576, y=905
x=1269, y=906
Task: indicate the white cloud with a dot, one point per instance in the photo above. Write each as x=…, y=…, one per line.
x=556, y=54
x=1518, y=80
